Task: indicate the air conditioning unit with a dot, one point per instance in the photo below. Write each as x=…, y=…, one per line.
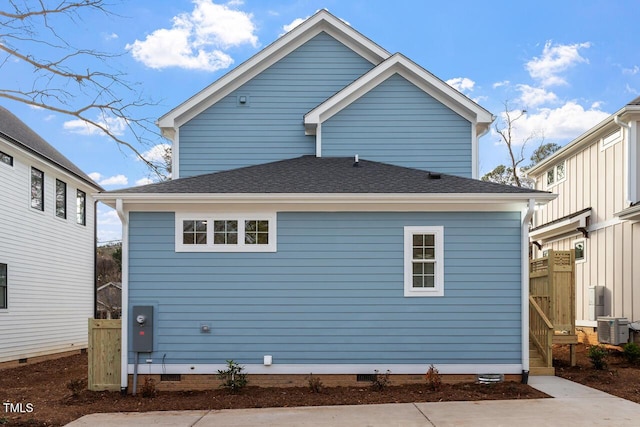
x=613, y=330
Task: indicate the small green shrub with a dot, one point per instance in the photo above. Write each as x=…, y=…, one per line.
x=598, y=356
x=148, y=388
x=380, y=382
x=233, y=379
x=315, y=384
x=76, y=386
x=631, y=352
x=434, y=382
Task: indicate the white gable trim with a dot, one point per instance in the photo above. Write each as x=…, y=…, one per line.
x=321, y=21
x=399, y=64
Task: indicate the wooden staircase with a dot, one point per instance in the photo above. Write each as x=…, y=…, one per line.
x=537, y=364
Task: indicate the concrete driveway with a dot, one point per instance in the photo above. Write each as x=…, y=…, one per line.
x=572, y=404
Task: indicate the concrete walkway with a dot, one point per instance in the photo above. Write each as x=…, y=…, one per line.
x=573, y=404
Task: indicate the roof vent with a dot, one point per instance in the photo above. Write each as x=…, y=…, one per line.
x=356, y=162
x=434, y=175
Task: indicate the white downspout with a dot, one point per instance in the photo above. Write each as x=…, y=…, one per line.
x=124, y=340
x=526, y=218
x=627, y=131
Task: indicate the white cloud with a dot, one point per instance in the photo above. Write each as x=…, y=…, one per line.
x=631, y=71
x=115, y=125
x=631, y=90
x=155, y=154
x=112, y=180
x=144, y=181
x=462, y=84
x=535, y=96
x=290, y=26
x=555, y=59
x=109, y=225
x=559, y=124
x=197, y=40
x=95, y=176
x=500, y=84
x=112, y=36
x=109, y=217
x=115, y=180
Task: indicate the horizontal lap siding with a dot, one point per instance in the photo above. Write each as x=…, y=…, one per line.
x=269, y=128
x=50, y=264
x=398, y=123
x=333, y=292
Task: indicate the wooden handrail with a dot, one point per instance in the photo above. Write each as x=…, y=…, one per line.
x=541, y=331
x=543, y=316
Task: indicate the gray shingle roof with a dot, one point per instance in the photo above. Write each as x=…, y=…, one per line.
x=635, y=101
x=17, y=132
x=326, y=175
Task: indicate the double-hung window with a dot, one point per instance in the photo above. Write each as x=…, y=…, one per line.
x=226, y=232
x=423, y=261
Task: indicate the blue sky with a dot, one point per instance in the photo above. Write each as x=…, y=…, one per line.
x=570, y=64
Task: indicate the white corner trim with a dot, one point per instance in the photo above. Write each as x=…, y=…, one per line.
x=319, y=140
x=324, y=369
x=474, y=150
x=124, y=340
x=524, y=288
x=175, y=155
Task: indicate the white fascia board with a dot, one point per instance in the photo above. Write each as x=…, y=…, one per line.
x=321, y=21
x=386, y=202
x=560, y=228
x=417, y=75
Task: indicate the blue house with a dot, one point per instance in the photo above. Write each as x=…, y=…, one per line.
x=325, y=217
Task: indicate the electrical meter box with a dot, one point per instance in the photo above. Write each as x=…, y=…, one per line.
x=142, y=327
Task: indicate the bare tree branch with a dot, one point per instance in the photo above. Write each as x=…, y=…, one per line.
x=63, y=80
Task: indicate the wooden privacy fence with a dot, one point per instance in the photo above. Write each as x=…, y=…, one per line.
x=104, y=354
x=552, y=302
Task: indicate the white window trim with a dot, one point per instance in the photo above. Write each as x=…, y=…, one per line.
x=610, y=140
x=573, y=246
x=438, y=289
x=556, y=181
x=240, y=246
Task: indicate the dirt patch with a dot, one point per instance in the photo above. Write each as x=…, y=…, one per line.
x=619, y=378
x=42, y=391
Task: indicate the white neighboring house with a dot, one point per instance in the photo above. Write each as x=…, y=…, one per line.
x=597, y=213
x=47, y=246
